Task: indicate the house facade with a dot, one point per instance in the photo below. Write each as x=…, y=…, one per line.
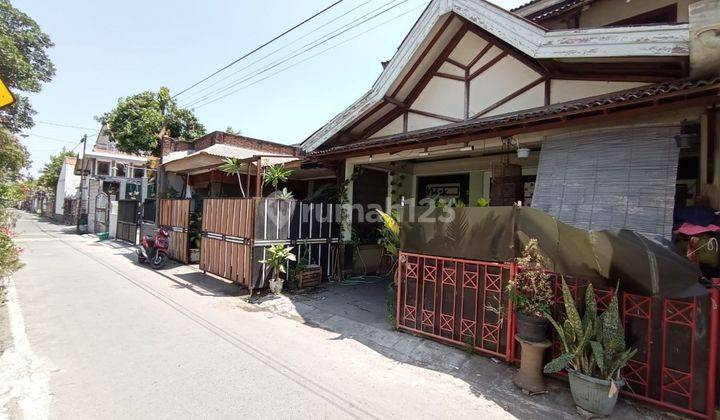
x=109, y=175
x=600, y=113
x=67, y=191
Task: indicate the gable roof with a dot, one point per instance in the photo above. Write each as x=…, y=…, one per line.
x=530, y=39
x=624, y=100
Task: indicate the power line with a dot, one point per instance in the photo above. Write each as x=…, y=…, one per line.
x=196, y=94
x=259, y=48
x=424, y=3
x=64, y=125
x=54, y=138
x=307, y=47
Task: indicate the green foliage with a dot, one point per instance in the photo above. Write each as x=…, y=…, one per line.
x=50, y=173
x=277, y=255
x=275, y=174
x=593, y=345
x=233, y=166
x=13, y=158
x=483, y=202
x=391, y=305
x=9, y=253
x=230, y=130
x=531, y=288
x=139, y=121
x=285, y=194
x=195, y=230
x=390, y=233
x=24, y=64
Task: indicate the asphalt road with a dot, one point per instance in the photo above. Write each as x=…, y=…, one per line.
x=107, y=338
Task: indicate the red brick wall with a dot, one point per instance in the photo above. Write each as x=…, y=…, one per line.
x=218, y=137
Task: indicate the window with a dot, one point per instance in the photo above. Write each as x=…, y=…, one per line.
x=103, y=168
x=120, y=169
x=137, y=172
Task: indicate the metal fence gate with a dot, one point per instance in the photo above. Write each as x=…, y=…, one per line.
x=460, y=302
x=102, y=212
x=310, y=228
x=463, y=302
x=127, y=221
x=175, y=215
x=227, y=228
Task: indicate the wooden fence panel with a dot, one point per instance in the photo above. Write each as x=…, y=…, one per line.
x=227, y=229
x=175, y=214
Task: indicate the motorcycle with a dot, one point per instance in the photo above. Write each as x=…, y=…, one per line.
x=155, y=249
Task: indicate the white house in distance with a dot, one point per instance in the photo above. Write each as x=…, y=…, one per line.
x=121, y=176
x=67, y=188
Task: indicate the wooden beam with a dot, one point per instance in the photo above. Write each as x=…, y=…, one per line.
x=423, y=54
x=480, y=55
x=396, y=102
x=542, y=123
x=258, y=177
x=456, y=63
x=489, y=64
x=512, y=51
x=511, y=96
x=450, y=76
x=432, y=115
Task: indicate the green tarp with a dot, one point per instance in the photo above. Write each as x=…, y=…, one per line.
x=498, y=234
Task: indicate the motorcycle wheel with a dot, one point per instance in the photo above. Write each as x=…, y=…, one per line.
x=141, y=258
x=159, y=260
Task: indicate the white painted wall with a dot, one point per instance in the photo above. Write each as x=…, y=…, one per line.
x=442, y=96
x=505, y=77
x=67, y=186
x=468, y=48
x=394, y=127
x=569, y=90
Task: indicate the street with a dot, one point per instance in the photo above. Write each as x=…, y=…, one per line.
x=112, y=339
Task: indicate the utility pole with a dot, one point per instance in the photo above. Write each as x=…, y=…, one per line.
x=82, y=183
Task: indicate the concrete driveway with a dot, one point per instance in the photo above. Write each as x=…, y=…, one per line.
x=94, y=335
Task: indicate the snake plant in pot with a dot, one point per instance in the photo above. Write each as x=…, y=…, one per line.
x=593, y=352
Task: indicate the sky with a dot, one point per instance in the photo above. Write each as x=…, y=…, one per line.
x=105, y=50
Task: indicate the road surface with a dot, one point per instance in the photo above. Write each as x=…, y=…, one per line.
x=97, y=336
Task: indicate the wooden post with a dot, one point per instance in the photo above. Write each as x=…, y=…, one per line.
x=258, y=177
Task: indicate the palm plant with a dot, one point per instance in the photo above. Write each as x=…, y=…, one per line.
x=277, y=256
x=275, y=174
x=233, y=166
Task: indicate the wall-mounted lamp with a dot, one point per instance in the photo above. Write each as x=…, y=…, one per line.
x=685, y=141
x=523, y=153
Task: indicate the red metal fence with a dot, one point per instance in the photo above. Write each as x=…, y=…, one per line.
x=463, y=303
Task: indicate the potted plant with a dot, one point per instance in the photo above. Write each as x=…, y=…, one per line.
x=277, y=255
x=531, y=292
x=594, y=352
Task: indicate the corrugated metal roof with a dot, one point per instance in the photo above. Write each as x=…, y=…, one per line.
x=229, y=151
x=624, y=97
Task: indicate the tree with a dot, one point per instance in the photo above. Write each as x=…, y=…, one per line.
x=13, y=158
x=51, y=171
x=230, y=130
x=138, y=122
x=234, y=166
x=24, y=64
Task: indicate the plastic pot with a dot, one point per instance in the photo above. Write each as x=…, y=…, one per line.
x=592, y=394
x=531, y=328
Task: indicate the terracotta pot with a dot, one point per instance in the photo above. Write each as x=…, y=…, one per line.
x=531, y=328
x=593, y=394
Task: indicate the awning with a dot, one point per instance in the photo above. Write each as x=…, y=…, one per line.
x=213, y=156
x=605, y=257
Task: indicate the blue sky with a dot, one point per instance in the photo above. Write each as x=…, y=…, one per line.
x=105, y=50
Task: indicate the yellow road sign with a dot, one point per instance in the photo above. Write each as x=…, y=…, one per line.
x=6, y=98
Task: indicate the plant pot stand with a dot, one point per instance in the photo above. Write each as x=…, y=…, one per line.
x=529, y=378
